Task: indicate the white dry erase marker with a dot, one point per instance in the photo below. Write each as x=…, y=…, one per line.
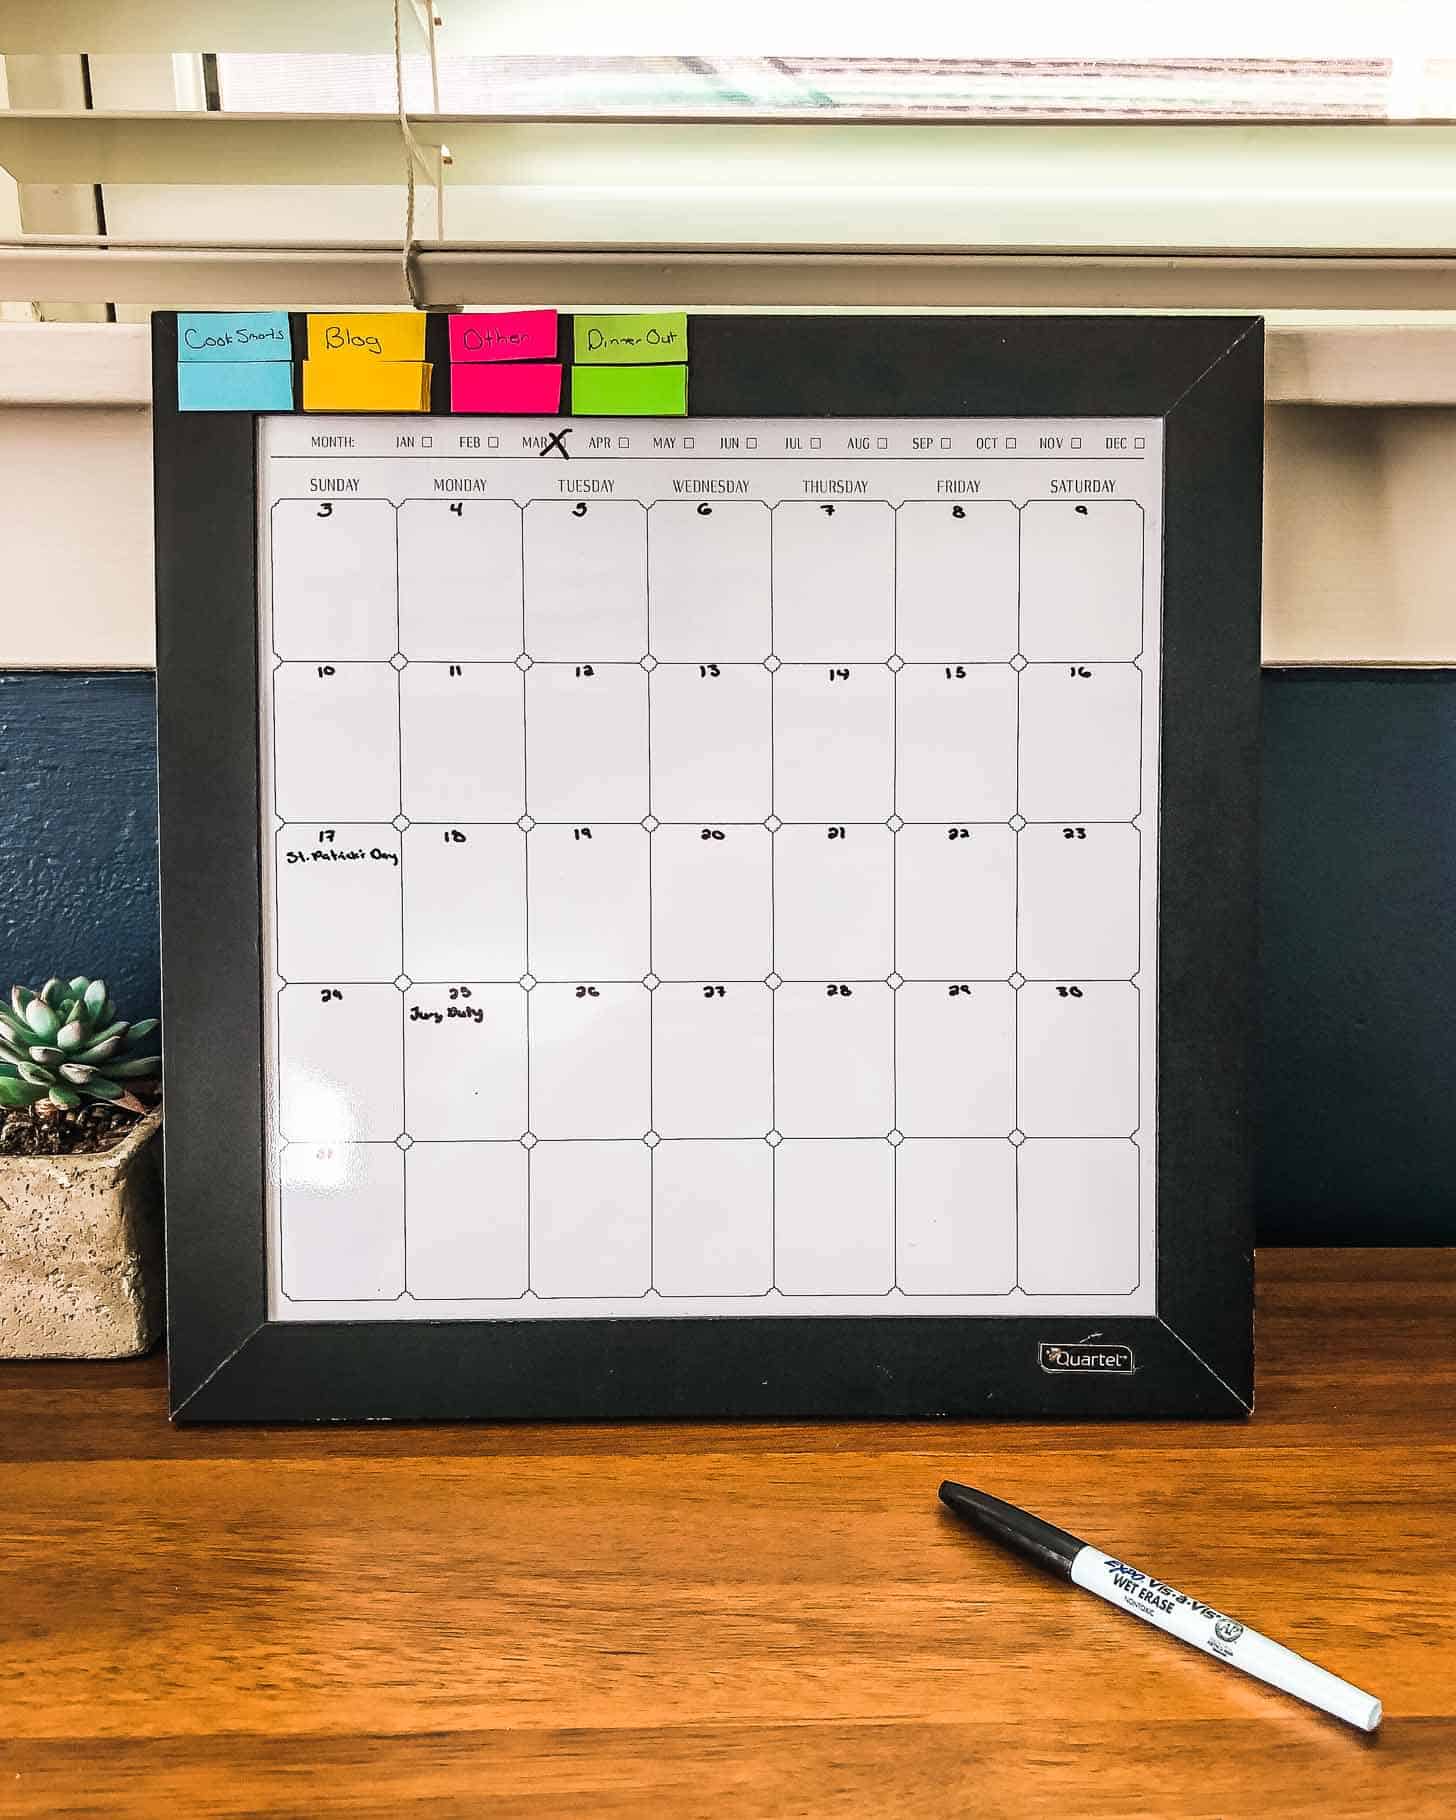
x=1158, y=1603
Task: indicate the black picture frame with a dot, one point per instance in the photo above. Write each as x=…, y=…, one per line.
x=1203, y=377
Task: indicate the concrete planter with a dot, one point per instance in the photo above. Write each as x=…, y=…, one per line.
x=81, y=1251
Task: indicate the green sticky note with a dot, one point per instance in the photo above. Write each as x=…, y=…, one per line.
x=619, y=341
x=629, y=391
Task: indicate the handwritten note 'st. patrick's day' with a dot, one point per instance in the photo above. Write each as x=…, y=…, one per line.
x=619, y=341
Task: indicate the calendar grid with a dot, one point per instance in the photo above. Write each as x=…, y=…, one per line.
x=544, y=856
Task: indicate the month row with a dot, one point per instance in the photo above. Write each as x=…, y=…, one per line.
x=707, y=742
x=710, y=1218
x=604, y=903
x=853, y=581
x=694, y=1060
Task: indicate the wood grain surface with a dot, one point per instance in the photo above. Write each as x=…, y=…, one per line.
x=771, y=1620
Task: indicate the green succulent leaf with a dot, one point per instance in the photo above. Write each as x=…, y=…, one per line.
x=144, y=1028
x=78, y=985
x=98, y=1052
x=38, y=1077
x=134, y=1070
x=99, y=1088
x=77, y=1072
x=19, y=1093
x=42, y=1020
x=20, y=997
x=9, y=1021
x=105, y=1033
x=94, y=999
x=8, y=1070
x=46, y=1054
x=14, y=1045
x=50, y=992
x=73, y=1036
x=66, y=1097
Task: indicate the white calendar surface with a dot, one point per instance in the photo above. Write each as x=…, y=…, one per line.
x=712, y=871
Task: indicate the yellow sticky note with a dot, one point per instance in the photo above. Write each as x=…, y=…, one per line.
x=361, y=385
x=378, y=337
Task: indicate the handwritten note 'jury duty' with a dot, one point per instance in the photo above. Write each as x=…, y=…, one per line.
x=618, y=341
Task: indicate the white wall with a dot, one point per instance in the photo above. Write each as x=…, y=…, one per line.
x=75, y=537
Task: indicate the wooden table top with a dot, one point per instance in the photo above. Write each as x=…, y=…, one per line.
x=774, y=1619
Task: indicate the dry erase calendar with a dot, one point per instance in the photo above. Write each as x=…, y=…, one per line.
x=710, y=872
x=736, y=913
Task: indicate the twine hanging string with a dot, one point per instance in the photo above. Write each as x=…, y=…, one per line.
x=413, y=155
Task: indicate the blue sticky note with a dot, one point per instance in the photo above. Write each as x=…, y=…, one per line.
x=231, y=335
x=241, y=385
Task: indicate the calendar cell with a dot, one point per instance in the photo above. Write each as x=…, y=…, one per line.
x=586, y=742
x=328, y=758
x=709, y=581
x=712, y=1219
x=955, y=581
x=1081, y=742
x=1081, y=580
x=834, y=743
x=589, y=903
x=591, y=1220
x=342, y=1218
x=834, y=1065
x=462, y=742
x=712, y=903
x=468, y=1227
x=834, y=891
x=465, y=1061
x=833, y=582
x=445, y=868
x=333, y=1088
x=590, y=1061
x=460, y=580
x=955, y=902
x=1079, y=901
x=1077, y=1059
x=956, y=742
x=333, y=571
x=956, y=1227
x=712, y=742
x=833, y=1218
x=338, y=902
x=586, y=580
x=712, y=1060
x=955, y=1060
x=1077, y=1216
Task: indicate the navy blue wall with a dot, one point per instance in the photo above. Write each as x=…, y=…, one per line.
x=1358, y=1095
x=78, y=832
x=1357, y=1109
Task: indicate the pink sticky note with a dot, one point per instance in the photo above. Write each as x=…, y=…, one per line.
x=503, y=335
x=506, y=391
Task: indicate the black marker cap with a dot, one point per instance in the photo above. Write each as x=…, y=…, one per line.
x=1013, y=1527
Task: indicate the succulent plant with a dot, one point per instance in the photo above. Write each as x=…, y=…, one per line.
x=65, y=1044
